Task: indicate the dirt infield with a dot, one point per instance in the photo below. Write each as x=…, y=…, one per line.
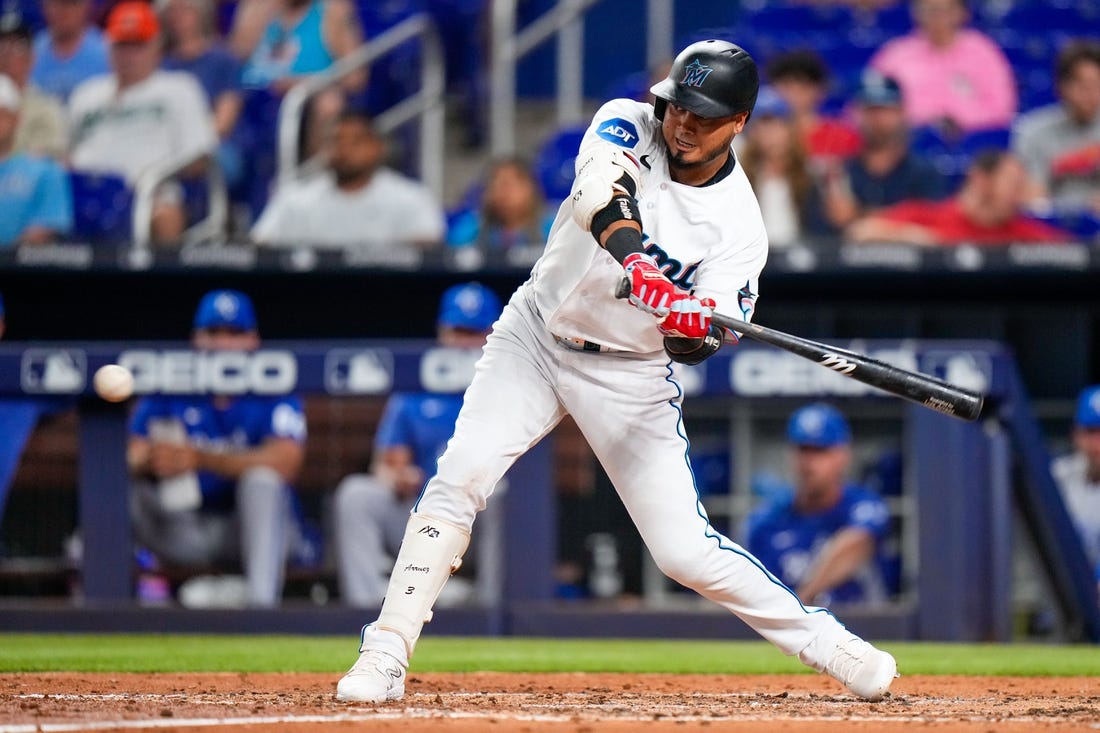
x=529, y=703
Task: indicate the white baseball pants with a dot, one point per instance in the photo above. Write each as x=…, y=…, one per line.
x=628, y=407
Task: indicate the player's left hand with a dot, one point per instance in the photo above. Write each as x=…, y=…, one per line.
x=688, y=317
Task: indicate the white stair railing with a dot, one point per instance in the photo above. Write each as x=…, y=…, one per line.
x=566, y=21
x=427, y=103
x=210, y=227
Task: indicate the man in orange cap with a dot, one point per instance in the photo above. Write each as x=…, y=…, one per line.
x=139, y=118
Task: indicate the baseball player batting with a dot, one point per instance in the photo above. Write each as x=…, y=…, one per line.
x=658, y=195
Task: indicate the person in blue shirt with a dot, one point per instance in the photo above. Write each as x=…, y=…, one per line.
x=35, y=196
x=823, y=539
x=371, y=509
x=191, y=44
x=886, y=170
x=69, y=49
x=511, y=214
x=213, y=473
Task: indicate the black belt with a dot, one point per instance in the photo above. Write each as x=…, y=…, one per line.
x=580, y=344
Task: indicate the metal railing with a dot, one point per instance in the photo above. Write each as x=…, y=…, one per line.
x=427, y=103
x=210, y=227
x=565, y=21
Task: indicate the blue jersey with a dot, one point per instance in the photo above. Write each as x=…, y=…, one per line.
x=422, y=422
x=59, y=76
x=246, y=422
x=289, y=52
x=34, y=191
x=787, y=542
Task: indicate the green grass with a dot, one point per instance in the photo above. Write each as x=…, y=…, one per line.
x=187, y=653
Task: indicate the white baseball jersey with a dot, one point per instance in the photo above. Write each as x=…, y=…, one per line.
x=709, y=239
x=162, y=119
x=626, y=401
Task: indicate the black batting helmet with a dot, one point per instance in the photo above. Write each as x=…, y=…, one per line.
x=710, y=79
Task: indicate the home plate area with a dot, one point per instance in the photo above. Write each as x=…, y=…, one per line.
x=583, y=703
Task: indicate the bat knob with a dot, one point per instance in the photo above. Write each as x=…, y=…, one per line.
x=622, y=289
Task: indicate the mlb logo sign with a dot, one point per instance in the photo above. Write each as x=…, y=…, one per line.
x=53, y=371
x=358, y=371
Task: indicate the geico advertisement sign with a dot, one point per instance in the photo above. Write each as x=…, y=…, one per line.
x=225, y=372
x=766, y=372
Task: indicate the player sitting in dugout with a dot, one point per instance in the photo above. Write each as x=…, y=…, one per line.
x=825, y=539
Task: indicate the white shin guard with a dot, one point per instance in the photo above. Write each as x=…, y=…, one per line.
x=430, y=552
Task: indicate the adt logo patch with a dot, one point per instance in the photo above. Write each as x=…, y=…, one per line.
x=695, y=74
x=619, y=131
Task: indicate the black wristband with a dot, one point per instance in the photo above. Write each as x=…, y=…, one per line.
x=693, y=351
x=620, y=208
x=624, y=242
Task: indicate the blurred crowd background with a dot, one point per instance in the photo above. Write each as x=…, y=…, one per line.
x=932, y=122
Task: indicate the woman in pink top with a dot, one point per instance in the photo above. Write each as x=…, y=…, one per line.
x=950, y=75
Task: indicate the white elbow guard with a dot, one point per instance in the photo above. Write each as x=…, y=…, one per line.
x=603, y=171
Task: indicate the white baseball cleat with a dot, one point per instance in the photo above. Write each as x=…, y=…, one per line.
x=863, y=669
x=376, y=676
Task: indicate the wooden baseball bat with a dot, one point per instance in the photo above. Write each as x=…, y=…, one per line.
x=930, y=392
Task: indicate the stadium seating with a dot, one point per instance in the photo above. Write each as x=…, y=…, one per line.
x=554, y=163
x=102, y=208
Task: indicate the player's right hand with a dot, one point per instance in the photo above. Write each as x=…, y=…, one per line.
x=650, y=290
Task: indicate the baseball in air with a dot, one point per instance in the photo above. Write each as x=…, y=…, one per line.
x=113, y=383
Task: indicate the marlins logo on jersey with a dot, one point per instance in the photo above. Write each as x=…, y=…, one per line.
x=695, y=74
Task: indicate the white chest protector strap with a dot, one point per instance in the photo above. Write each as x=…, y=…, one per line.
x=431, y=550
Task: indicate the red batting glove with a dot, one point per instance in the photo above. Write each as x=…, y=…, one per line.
x=688, y=317
x=650, y=290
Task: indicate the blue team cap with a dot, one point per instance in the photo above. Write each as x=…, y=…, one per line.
x=1088, y=407
x=818, y=425
x=770, y=103
x=225, y=309
x=876, y=90
x=472, y=306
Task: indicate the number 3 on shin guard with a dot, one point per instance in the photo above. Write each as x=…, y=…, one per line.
x=431, y=550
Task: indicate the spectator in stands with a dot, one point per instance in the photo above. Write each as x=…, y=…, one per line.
x=285, y=40
x=802, y=78
x=953, y=77
x=1078, y=473
x=824, y=538
x=987, y=210
x=139, y=119
x=42, y=129
x=355, y=202
x=776, y=164
x=69, y=49
x=1060, y=144
x=192, y=44
x=886, y=171
x=35, y=198
x=512, y=213
x=213, y=473
x=372, y=508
